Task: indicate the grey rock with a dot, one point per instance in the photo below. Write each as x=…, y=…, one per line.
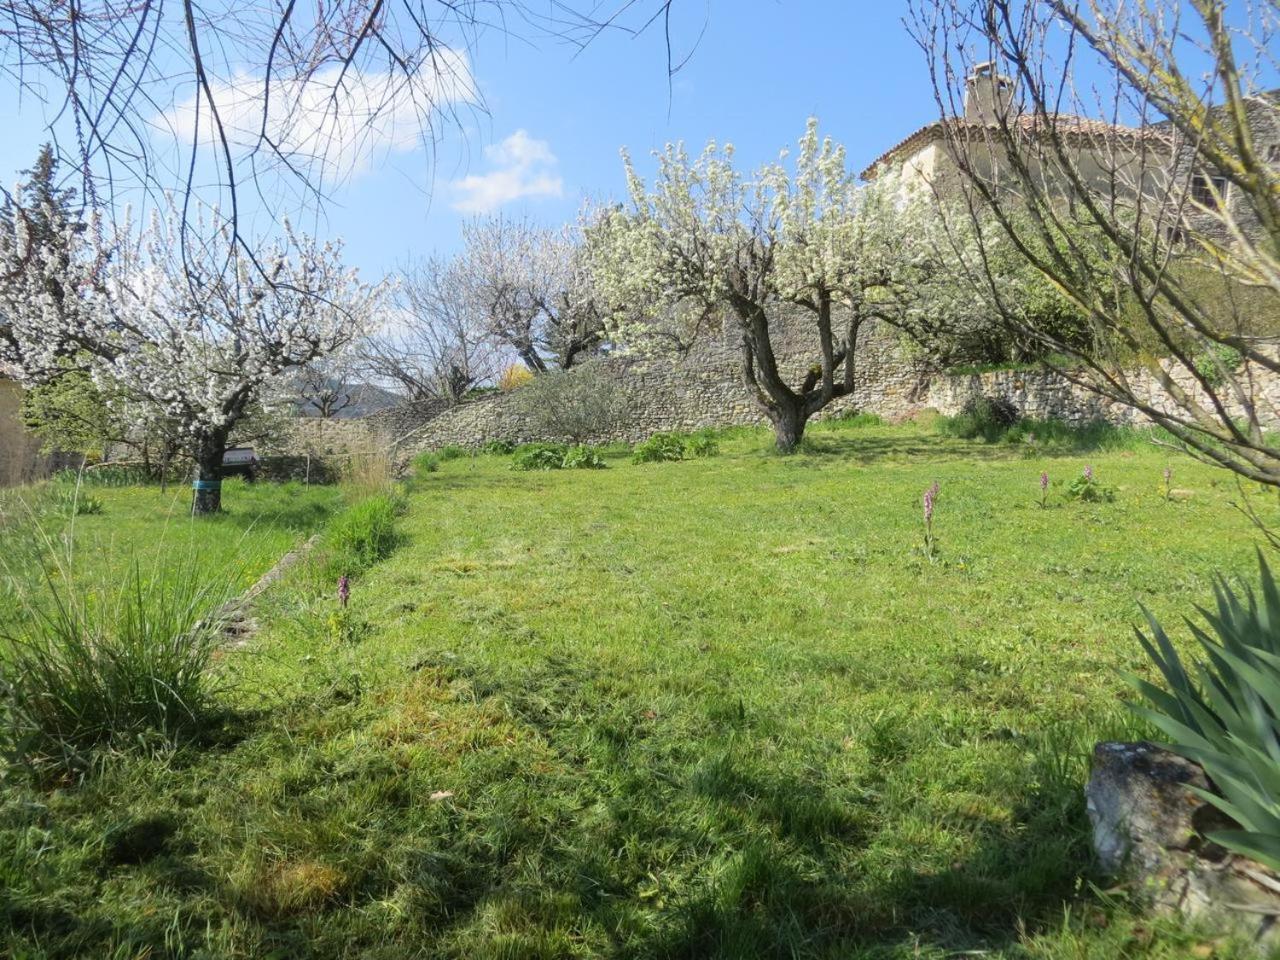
x=1149, y=828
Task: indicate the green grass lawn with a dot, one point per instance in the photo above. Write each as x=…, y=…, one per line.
x=148, y=526
x=715, y=708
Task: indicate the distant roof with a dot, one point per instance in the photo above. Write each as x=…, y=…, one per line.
x=1068, y=126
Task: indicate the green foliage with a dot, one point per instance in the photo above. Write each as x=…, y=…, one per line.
x=1216, y=362
x=1224, y=713
x=581, y=404
x=702, y=443
x=75, y=502
x=1088, y=489
x=539, y=456
x=106, y=475
x=1049, y=435
x=70, y=413
x=860, y=418
x=982, y=417
x=715, y=693
x=659, y=448
x=95, y=666
x=583, y=458
x=345, y=628
x=361, y=535
x=669, y=447
x=426, y=463
x=452, y=452
x=498, y=448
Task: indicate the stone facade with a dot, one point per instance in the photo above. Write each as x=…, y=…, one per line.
x=20, y=458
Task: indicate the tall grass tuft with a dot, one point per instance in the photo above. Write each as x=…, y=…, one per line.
x=361, y=536
x=92, y=667
x=367, y=472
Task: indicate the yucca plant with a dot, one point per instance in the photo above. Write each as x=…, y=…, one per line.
x=1223, y=712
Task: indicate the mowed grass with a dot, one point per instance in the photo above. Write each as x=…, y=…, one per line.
x=146, y=526
x=715, y=708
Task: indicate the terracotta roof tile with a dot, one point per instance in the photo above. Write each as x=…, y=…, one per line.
x=1067, y=125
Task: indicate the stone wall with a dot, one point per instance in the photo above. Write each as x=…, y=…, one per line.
x=705, y=390
x=20, y=458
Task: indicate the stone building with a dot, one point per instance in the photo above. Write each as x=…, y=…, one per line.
x=20, y=458
x=1097, y=150
x=1109, y=158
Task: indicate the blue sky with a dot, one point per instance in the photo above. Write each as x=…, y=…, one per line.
x=555, y=118
x=761, y=68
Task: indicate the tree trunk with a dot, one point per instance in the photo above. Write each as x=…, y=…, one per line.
x=788, y=425
x=207, y=486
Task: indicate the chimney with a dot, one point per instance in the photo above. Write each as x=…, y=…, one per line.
x=988, y=96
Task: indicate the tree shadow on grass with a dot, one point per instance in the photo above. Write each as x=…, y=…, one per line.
x=873, y=449
x=756, y=859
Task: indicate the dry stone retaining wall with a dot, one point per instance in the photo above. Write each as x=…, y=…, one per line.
x=705, y=390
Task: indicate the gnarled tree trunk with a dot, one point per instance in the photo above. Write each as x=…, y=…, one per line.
x=210, y=445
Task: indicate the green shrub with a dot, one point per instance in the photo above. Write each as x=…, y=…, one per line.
x=1216, y=363
x=361, y=536
x=583, y=458
x=1225, y=712
x=498, y=448
x=539, y=456
x=702, y=444
x=451, y=452
x=659, y=448
x=986, y=417
x=1088, y=489
x=97, y=667
x=426, y=463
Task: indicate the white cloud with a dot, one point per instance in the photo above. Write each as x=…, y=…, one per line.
x=338, y=127
x=524, y=167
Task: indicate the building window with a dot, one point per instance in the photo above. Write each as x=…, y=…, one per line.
x=1273, y=153
x=1209, y=191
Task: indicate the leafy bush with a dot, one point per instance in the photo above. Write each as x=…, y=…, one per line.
x=1225, y=712
x=361, y=536
x=1216, y=363
x=701, y=444
x=498, y=448
x=666, y=447
x=90, y=668
x=986, y=417
x=1088, y=489
x=539, y=456
x=583, y=458
x=581, y=404
x=451, y=452
x=659, y=448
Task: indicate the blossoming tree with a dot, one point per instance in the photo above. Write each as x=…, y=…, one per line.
x=197, y=330
x=535, y=287
x=808, y=240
